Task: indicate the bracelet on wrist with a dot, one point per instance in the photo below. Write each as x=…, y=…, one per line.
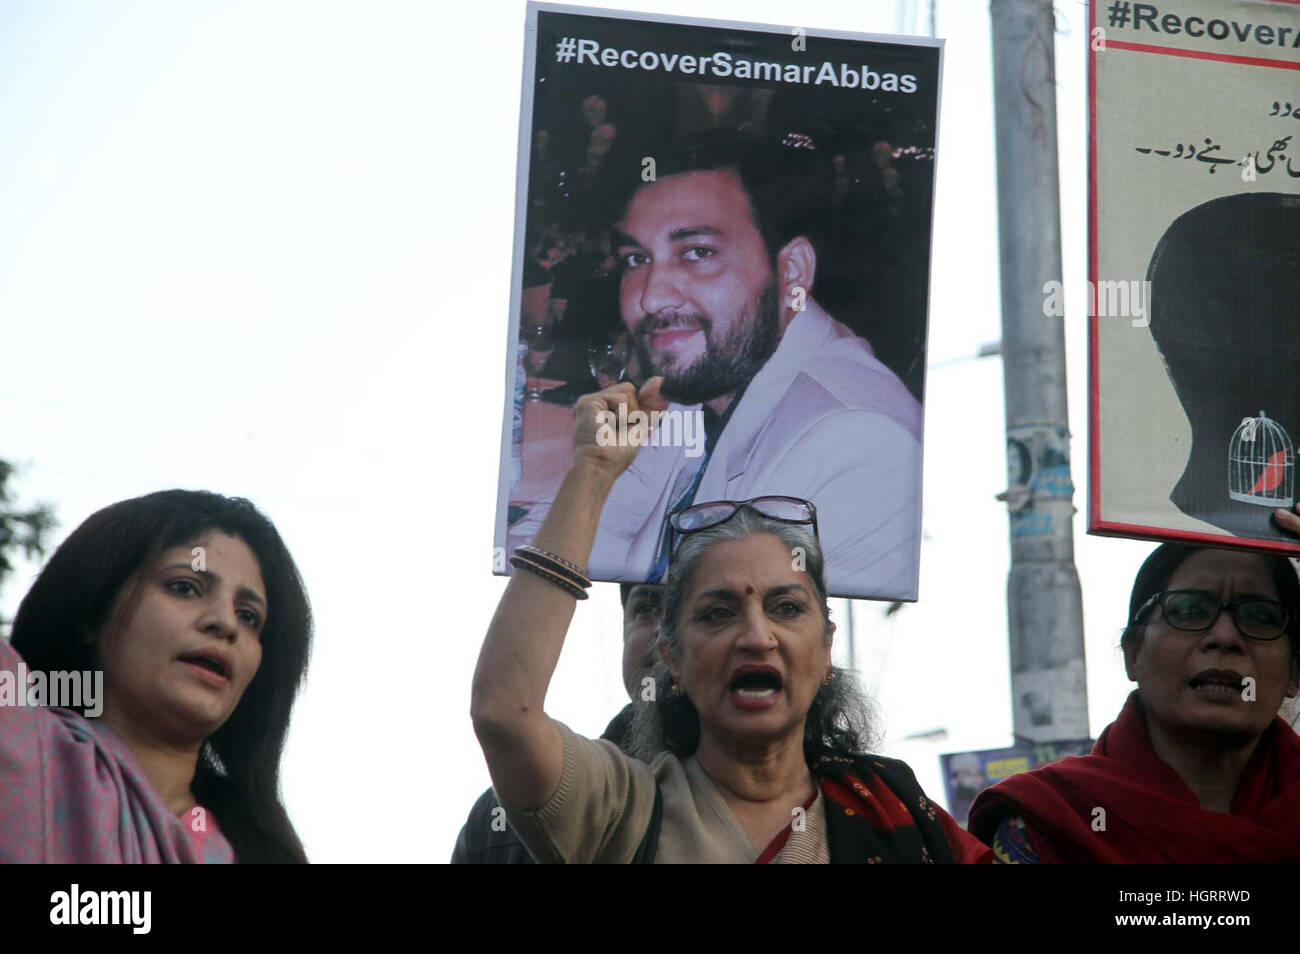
x=520, y=562
x=555, y=563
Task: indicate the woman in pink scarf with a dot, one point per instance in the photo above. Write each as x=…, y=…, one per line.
x=181, y=619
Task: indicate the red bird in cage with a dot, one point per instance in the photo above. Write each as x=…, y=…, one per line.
x=1273, y=473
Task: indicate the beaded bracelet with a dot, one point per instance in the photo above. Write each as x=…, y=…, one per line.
x=521, y=563
x=549, y=558
x=555, y=563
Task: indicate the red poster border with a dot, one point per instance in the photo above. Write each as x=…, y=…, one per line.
x=1096, y=525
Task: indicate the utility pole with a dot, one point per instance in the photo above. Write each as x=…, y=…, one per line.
x=902, y=25
x=1044, y=602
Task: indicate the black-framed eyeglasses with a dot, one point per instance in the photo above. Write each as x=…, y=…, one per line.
x=1195, y=611
x=712, y=513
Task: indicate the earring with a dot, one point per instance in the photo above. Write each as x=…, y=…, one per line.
x=829, y=676
x=674, y=690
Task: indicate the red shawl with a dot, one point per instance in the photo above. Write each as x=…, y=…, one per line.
x=1151, y=816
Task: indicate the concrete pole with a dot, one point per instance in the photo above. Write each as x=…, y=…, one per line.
x=1045, y=606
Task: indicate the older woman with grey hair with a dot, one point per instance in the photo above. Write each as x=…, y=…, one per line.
x=750, y=749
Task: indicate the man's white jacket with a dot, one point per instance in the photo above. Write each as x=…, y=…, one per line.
x=823, y=420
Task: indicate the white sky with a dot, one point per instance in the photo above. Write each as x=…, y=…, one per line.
x=264, y=249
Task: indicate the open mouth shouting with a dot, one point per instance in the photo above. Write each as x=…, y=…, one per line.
x=1223, y=684
x=755, y=687
x=209, y=664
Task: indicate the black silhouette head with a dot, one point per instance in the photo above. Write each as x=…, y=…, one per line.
x=1225, y=315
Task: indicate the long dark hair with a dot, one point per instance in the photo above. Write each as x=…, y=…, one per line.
x=238, y=772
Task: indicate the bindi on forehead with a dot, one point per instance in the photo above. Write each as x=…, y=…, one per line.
x=749, y=591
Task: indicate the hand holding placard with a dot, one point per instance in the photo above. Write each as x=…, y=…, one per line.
x=596, y=411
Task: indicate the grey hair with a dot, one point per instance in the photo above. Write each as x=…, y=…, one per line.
x=840, y=720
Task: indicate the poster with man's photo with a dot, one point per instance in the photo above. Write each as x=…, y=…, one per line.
x=966, y=774
x=1195, y=268
x=745, y=211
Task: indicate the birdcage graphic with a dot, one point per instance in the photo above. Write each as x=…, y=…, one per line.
x=1261, y=463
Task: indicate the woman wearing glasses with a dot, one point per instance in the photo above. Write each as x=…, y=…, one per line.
x=748, y=738
x=1198, y=768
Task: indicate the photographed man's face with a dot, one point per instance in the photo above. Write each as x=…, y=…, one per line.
x=698, y=291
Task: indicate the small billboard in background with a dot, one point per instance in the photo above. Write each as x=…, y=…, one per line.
x=745, y=210
x=966, y=774
x=1194, y=270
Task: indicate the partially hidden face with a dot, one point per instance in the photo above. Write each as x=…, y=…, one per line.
x=1198, y=681
x=753, y=643
x=698, y=291
x=181, y=660
x=640, y=625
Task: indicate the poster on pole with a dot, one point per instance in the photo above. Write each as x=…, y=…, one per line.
x=1194, y=272
x=745, y=210
x=966, y=774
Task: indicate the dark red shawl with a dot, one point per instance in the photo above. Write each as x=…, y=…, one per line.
x=1151, y=815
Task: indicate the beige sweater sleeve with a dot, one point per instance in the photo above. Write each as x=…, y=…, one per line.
x=600, y=812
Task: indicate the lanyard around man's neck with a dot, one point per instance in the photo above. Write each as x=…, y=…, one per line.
x=714, y=423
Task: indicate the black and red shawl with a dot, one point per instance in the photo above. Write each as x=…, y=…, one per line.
x=876, y=813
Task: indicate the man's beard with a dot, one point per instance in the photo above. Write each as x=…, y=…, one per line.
x=726, y=366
